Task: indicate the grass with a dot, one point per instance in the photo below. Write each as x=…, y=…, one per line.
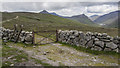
x=51, y=22
x=18, y=55
x=0, y=53
x=83, y=49
x=6, y=64
x=109, y=59
x=40, y=62
x=7, y=51
x=84, y=20
x=14, y=54
x=99, y=64
x=38, y=38
x=105, y=55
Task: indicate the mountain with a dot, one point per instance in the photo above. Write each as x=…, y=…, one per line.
x=53, y=13
x=45, y=12
x=82, y=18
x=94, y=17
x=112, y=23
x=108, y=20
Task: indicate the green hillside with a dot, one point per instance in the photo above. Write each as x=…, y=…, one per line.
x=111, y=23
x=109, y=20
x=6, y=16
x=39, y=21
x=83, y=19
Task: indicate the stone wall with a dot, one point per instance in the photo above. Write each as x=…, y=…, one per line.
x=12, y=35
x=94, y=41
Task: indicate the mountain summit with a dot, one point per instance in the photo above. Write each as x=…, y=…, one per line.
x=53, y=13
x=45, y=12
x=81, y=18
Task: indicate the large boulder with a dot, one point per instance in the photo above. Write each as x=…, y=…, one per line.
x=99, y=43
x=28, y=38
x=82, y=42
x=89, y=44
x=111, y=45
x=97, y=48
x=107, y=49
x=116, y=40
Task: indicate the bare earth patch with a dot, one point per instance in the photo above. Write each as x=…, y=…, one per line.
x=57, y=55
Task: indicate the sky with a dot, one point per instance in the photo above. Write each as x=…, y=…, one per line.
x=64, y=8
x=59, y=0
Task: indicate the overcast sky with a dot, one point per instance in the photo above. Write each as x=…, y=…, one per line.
x=59, y=0
x=62, y=8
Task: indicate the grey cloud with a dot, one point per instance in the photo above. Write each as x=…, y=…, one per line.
x=59, y=0
x=58, y=7
x=51, y=5
x=93, y=11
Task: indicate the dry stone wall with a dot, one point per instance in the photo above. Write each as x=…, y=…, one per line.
x=94, y=41
x=12, y=35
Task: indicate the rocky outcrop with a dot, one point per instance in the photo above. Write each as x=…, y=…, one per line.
x=94, y=41
x=11, y=35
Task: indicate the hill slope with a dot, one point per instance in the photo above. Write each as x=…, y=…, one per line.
x=82, y=18
x=40, y=21
x=109, y=20
x=94, y=17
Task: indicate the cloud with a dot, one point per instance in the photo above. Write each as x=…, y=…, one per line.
x=102, y=8
x=59, y=0
x=62, y=8
x=72, y=11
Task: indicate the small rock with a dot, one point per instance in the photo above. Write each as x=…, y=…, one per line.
x=12, y=65
x=6, y=63
x=23, y=59
x=47, y=52
x=34, y=46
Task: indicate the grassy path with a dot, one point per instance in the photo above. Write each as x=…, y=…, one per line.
x=12, y=56
x=59, y=55
x=15, y=57
x=11, y=19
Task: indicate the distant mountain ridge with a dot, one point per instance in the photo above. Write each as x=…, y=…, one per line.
x=103, y=18
x=109, y=20
x=94, y=17
x=53, y=13
x=82, y=18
